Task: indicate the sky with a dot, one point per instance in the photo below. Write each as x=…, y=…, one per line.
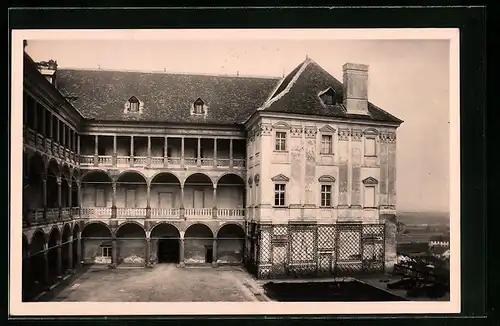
x=407, y=78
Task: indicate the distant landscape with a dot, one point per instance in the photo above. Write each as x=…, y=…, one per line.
x=430, y=218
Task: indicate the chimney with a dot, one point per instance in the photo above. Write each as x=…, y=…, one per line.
x=355, y=88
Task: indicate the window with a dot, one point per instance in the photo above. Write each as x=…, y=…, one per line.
x=369, y=198
x=100, y=197
x=326, y=144
x=329, y=97
x=279, y=195
x=134, y=104
x=198, y=106
x=280, y=141
x=326, y=195
x=370, y=149
x=106, y=251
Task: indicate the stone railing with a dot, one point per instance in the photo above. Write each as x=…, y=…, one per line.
x=157, y=161
x=230, y=212
x=140, y=161
x=105, y=160
x=52, y=214
x=130, y=212
x=207, y=161
x=174, y=160
x=223, y=162
x=198, y=212
x=123, y=161
x=165, y=212
x=239, y=162
x=95, y=212
x=86, y=160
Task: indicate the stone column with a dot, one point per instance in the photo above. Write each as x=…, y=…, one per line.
x=59, y=196
x=182, y=212
x=46, y=269
x=96, y=150
x=114, y=261
x=78, y=144
x=230, y=152
x=44, y=123
x=148, y=200
x=79, y=193
x=70, y=195
x=58, y=132
x=214, y=199
x=131, y=150
x=181, y=250
x=51, y=126
x=59, y=258
x=182, y=151
x=198, y=152
x=113, y=200
x=149, y=151
x=214, y=253
x=70, y=252
x=114, y=151
x=148, y=252
x=165, y=152
x=215, y=153
x=44, y=195
x=79, y=249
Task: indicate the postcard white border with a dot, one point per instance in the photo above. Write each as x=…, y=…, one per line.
x=18, y=308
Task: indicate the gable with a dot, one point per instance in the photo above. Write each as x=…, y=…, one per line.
x=280, y=177
x=327, y=128
x=370, y=181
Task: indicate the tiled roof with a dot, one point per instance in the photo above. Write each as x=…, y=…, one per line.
x=101, y=95
x=299, y=94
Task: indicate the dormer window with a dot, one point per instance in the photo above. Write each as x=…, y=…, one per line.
x=133, y=105
x=329, y=96
x=198, y=106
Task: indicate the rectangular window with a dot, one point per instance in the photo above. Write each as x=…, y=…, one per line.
x=326, y=144
x=279, y=195
x=369, y=198
x=326, y=195
x=280, y=141
x=106, y=251
x=370, y=149
x=134, y=106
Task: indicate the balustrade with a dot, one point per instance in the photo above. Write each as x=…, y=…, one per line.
x=223, y=162
x=95, y=212
x=157, y=161
x=140, y=161
x=123, y=161
x=165, y=212
x=198, y=212
x=130, y=212
x=105, y=160
x=230, y=212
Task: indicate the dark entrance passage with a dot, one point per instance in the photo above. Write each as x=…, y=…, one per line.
x=168, y=251
x=209, y=252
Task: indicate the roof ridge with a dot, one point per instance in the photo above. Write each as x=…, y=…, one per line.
x=169, y=73
x=266, y=104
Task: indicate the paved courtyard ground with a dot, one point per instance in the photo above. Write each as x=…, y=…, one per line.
x=163, y=283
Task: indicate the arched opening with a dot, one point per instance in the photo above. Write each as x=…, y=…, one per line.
x=53, y=247
x=165, y=194
x=33, y=185
x=96, y=244
x=52, y=187
x=76, y=256
x=131, y=194
x=131, y=244
x=198, y=195
x=165, y=243
x=198, y=248
x=231, y=199
x=65, y=248
x=230, y=244
x=37, y=265
x=96, y=194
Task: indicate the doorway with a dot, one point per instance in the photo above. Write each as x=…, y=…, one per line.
x=168, y=251
x=209, y=254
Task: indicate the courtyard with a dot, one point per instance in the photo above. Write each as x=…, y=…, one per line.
x=163, y=283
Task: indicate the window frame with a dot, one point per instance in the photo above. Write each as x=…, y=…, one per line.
x=281, y=139
x=330, y=193
x=277, y=192
x=371, y=138
x=322, y=142
x=370, y=186
x=106, y=251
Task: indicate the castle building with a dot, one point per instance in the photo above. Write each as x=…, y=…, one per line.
x=289, y=176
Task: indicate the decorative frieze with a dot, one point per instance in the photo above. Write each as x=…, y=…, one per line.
x=344, y=134
x=356, y=135
x=265, y=129
x=388, y=137
x=311, y=132
x=296, y=131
